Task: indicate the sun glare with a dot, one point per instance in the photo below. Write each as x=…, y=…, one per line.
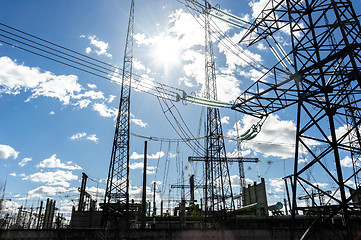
x=166, y=51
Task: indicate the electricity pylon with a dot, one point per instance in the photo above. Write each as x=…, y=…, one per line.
x=116, y=201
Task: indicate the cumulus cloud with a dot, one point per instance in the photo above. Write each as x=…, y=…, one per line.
x=78, y=136
x=347, y=162
x=104, y=111
x=111, y=98
x=61, y=87
x=92, y=86
x=25, y=161
x=52, y=113
x=83, y=103
x=139, y=122
x=141, y=156
x=15, y=77
x=45, y=191
x=235, y=181
x=276, y=137
x=276, y=185
x=7, y=151
x=83, y=135
x=54, y=162
x=139, y=165
x=99, y=47
x=90, y=94
x=257, y=6
x=59, y=177
x=225, y=120
x=93, y=138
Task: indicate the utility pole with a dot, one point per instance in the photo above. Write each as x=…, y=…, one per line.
x=144, y=193
x=39, y=216
x=82, y=192
x=154, y=204
x=117, y=190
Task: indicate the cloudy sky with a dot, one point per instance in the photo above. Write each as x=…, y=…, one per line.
x=57, y=122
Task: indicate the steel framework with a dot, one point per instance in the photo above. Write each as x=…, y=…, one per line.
x=324, y=85
x=117, y=190
x=218, y=191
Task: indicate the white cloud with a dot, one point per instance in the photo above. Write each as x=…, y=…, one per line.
x=25, y=161
x=261, y=46
x=7, y=151
x=227, y=87
x=144, y=84
x=225, y=120
x=141, y=156
x=235, y=181
x=83, y=135
x=90, y=94
x=45, y=191
x=243, y=153
x=104, y=111
x=52, y=113
x=61, y=87
x=88, y=50
x=54, y=162
x=53, y=178
x=111, y=98
x=252, y=74
x=93, y=138
x=276, y=138
x=137, y=64
x=347, y=162
x=193, y=66
x=186, y=29
x=13, y=174
x=92, y=86
x=15, y=77
x=139, y=165
x=257, y=6
x=276, y=184
x=139, y=122
x=83, y=103
x=78, y=136
x=101, y=46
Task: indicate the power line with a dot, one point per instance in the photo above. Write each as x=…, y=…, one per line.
x=38, y=46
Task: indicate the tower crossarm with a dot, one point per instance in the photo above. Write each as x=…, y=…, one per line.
x=264, y=96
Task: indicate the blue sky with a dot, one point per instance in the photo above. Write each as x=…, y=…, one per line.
x=58, y=122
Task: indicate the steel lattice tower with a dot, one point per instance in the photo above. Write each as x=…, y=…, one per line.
x=117, y=190
x=218, y=191
x=324, y=85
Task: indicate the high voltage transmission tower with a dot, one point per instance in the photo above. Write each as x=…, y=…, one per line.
x=218, y=191
x=116, y=201
x=324, y=84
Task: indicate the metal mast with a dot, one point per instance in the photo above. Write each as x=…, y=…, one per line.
x=218, y=192
x=325, y=87
x=117, y=190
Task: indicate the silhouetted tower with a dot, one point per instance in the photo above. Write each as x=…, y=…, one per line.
x=324, y=83
x=218, y=191
x=117, y=190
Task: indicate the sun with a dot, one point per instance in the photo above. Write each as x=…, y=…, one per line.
x=166, y=51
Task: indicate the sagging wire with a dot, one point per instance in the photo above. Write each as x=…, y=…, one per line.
x=38, y=46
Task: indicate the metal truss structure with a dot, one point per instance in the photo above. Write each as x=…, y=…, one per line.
x=323, y=83
x=218, y=190
x=117, y=190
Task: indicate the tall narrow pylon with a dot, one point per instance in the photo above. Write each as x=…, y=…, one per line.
x=218, y=191
x=117, y=191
